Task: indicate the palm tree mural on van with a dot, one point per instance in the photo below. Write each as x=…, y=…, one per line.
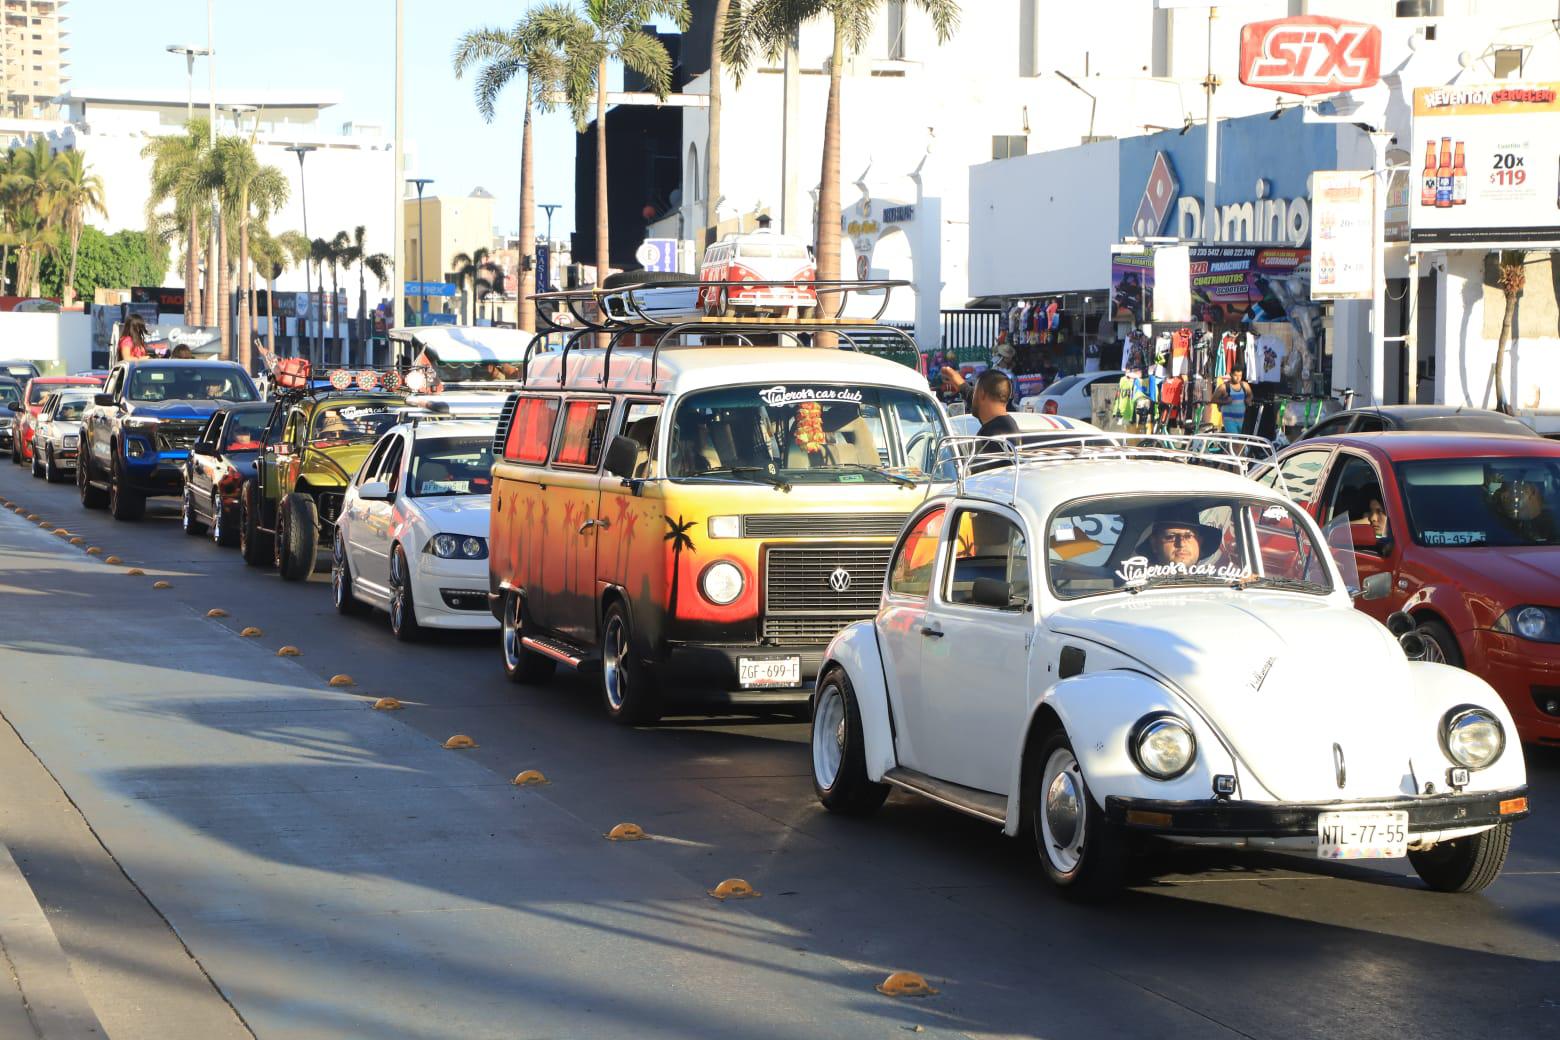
x=677, y=534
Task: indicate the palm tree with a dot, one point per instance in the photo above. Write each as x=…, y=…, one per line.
x=377, y=264
x=472, y=269
x=296, y=249
x=269, y=258
x=77, y=191
x=336, y=255
x=609, y=30
x=34, y=210
x=177, y=162
x=1512, y=280
x=249, y=191
x=319, y=253
x=712, y=144
x=504, y=55
x=764, y=27
x=677, y=534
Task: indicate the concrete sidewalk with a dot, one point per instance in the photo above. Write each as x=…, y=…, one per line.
x=39, y=997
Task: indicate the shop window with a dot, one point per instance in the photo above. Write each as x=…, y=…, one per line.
x=912, y=571
x=530, y=432
x=584, y=429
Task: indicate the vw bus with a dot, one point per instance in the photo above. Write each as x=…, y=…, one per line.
x=760, y=273
x=700, y=521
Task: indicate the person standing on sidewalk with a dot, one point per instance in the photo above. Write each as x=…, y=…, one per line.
x=1232, y=398
x=987, y=399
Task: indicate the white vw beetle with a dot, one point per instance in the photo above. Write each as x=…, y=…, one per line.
x=1180, y=660
x=412, y=538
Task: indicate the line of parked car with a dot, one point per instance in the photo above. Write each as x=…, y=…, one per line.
x=1091, y=640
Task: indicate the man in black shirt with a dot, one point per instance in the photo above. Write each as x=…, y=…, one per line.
x=986, y=399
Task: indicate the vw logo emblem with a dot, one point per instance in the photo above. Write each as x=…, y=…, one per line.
x=839, y=579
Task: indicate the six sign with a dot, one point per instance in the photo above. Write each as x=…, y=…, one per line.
x=1310, y=55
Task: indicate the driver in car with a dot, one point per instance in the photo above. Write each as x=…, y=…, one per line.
x=1181, y=538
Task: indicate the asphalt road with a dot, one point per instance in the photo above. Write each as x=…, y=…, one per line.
x=337, y=873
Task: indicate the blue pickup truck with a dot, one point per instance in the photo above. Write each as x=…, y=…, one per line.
x=139, y=429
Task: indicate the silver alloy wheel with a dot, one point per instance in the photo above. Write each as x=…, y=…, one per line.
x=338, y=566
x=187, y=513
x=1434, y=653
x=614, y=649
x=512, y=646
x=216, y=520
x=829, y=735
x=397, y=593
x=1065, y=812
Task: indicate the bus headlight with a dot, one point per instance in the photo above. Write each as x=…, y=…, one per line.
x=721, y=583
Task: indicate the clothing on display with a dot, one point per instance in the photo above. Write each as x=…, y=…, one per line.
x=1267, y=361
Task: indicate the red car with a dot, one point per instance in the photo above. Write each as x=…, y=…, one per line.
x=27, y=421
x=1464, y=530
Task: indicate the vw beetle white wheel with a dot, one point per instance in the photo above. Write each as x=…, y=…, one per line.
x=828, y=736
x=1065, y=810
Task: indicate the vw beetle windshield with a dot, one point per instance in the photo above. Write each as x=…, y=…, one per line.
x=1133, y=542
x=805, y=434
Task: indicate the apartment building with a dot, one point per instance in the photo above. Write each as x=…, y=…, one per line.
x=33, y=44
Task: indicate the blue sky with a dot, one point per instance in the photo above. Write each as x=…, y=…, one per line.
x=345, y=46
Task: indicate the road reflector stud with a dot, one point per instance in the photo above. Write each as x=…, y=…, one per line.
x=459, y=742
x=93, y=550
x=32, y=516
x=388, y=704
x=627, y=832
x=162, y=584
x=906, y=984
x=289, y=651
x=113, y=559
x=60, y=532
x=78, y=540
x=734, y=888
x=251, y=632
x=342, y=680
x=529, y=778
x=135, y=572
x=216, y=612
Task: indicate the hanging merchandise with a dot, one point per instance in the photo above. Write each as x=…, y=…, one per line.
x=1180, y=352
x=1268, y=364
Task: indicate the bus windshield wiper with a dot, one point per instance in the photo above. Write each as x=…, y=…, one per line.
x=882, y=471
x=758, y=471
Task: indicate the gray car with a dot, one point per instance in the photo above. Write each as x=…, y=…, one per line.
x=1425, y=418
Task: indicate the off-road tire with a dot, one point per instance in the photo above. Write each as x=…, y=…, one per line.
x=92, y=496
x=520, y=664
x=836, y=730
x=123, y=503
x=1464, y=864
x=297, y=537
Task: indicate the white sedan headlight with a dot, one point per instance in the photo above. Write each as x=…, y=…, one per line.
x=1162, y=746
x=1472, y=737
x=721, y=582
x=457, y=547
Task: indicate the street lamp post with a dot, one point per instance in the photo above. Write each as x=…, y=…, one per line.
x=191, y=290
x=422, y=247
x=301, y=150
x=549, y=207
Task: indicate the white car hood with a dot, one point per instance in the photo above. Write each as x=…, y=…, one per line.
x=456, y=514
x=1285, y=679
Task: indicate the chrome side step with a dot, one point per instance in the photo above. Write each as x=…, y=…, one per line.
x=557, y=649
x=982, y=804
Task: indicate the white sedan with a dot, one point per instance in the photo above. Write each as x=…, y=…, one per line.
x=412, y=538
x=1071, y=396
x=1106, y=646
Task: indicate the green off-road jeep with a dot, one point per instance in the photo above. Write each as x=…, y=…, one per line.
x=315, y=441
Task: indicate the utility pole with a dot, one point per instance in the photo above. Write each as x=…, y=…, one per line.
x=422, y=248
x=398, y=297
x=301, y=150
x=192, y=313
x=213, y=275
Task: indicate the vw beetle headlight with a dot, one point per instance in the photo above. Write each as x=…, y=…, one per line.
x=1540, y=624
x=1162, y=746
x=1472, y=737
x=721, y=582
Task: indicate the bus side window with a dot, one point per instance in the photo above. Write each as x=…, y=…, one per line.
x=641, y=420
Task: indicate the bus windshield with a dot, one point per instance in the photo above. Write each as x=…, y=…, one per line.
x=805, y=433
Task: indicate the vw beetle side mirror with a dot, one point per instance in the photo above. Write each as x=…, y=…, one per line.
x=622, y=457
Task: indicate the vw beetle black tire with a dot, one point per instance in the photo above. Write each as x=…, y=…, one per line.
x=1464, y=864
x=628, y=685
x=1082, y=853
x=522, y=665
x=297, y=537
x=1442, y=645
x=839, y=752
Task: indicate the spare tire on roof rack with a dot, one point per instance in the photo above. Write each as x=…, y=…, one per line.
x=619, y=279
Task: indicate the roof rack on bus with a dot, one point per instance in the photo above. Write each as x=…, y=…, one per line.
x=973, y=454
x=739, y=329
x=623, y=306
